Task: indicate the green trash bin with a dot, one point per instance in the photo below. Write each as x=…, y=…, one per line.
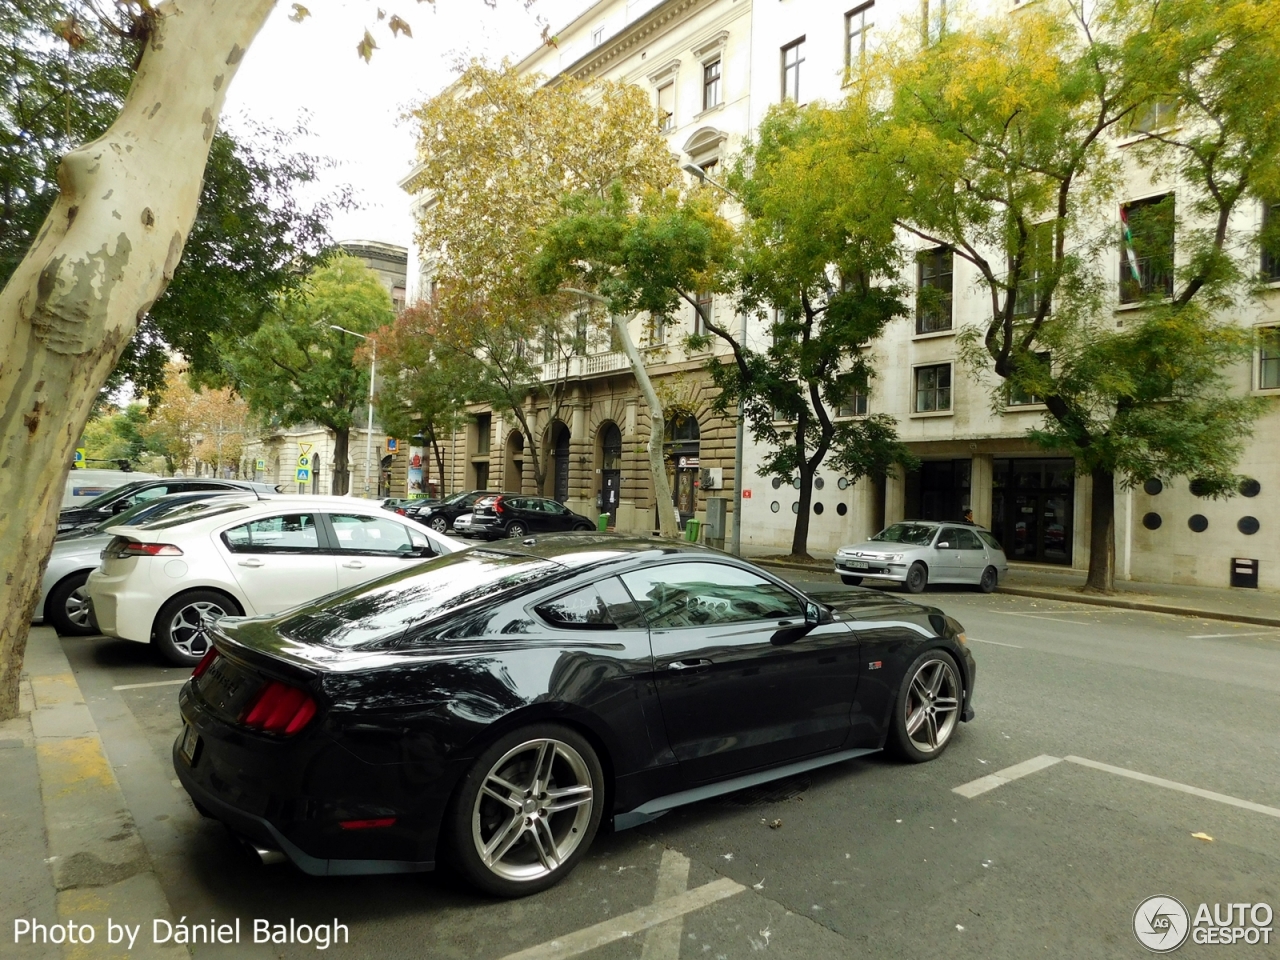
x=602, y=522
x=691, y=527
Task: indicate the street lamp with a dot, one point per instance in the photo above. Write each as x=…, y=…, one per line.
x=735, y=542
x=373, y=372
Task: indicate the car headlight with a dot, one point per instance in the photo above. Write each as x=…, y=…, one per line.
x=895, y=557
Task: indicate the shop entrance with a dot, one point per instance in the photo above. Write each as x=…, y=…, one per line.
x=611, y=472
x=681, y=449
x=1032, y=509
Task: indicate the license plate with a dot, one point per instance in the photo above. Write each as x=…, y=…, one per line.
x=858, y=564
x=190, y=740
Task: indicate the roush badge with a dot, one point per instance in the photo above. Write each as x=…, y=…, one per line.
x=1161, y=924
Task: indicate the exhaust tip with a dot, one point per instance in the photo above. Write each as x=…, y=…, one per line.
x=269, y=855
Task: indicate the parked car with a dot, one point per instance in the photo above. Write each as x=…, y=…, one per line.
x=497, y=707
x=462, y=525
x=440, y=516
x=120, y=499
x=237, y=555
x=85, y=485
x=64, y=603
x=511, y=515
x=919, y=552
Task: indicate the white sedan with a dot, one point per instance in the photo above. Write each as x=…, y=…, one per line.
x=242, y=555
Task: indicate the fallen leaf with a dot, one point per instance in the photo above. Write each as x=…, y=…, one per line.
x=1202, y=836
x=774, y=825
x=300, y=13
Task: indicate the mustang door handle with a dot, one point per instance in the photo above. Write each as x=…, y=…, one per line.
x=689, y=665
x=354, y=565
x=251, y=563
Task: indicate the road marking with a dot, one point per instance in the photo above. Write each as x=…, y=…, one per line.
x=156, y=683
x=996, y=643
x=1033, y=616
x=1174, y=785
x=1220, y=636
x=998, y=779
x=629, y=924
x=663, y=941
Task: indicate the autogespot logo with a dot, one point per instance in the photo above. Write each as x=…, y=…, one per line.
x=1161, y=924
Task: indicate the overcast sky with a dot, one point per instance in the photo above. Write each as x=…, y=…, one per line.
x=312, y=66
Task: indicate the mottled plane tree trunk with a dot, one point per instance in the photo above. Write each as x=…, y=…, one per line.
x=103, y=257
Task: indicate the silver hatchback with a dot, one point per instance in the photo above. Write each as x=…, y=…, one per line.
x=919, y=552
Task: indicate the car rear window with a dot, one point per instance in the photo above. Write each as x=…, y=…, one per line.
x=196, y=511
x=916, y=534
x=387, y=607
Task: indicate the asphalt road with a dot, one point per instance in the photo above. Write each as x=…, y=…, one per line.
x=867, y=859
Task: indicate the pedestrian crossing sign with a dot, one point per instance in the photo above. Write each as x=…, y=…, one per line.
x=304, y=475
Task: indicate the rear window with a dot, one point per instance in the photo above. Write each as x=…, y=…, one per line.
x=196, y=511
x=386, y=608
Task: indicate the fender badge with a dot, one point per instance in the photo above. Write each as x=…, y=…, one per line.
x=874, y=665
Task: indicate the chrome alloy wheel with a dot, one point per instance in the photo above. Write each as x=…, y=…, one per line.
x=78, y=608
x=533, y=810
x=933, y=705
x=186, y=629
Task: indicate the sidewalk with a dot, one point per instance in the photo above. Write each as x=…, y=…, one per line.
x=1054, y=583
x=71, y=846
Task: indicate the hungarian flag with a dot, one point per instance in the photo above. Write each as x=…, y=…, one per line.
x=1127, y=238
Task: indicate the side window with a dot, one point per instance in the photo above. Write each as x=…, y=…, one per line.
x=373, y=535
x=149, y=493
x=948, y=535
x=701, y=594
x=290, y=533
x=989, y=540
x=968, y=540
x=580, y=608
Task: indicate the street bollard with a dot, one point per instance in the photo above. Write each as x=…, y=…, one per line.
x=602, y=522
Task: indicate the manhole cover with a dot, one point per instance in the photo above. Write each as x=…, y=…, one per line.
x=776, y=791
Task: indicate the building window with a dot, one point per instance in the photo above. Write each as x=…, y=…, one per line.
x=667, y=107
x=1037, y=265
x=597, y=37
x=933, y=292
x=657, y=330
x=703, y=314
x=933, y=388
x=792, y=58
x=484, y=426
x=857, y=24
x=1271, y=242
x=854, y=404
x=548, y=345
x=933, y=23
x=711, y=85
x=580, y=329
x=1146, y=249
x=1016, y=396
x=1150, y=117
x=1269, y=360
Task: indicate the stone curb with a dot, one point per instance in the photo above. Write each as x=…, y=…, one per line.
x=100, y=868
x=1071, y=596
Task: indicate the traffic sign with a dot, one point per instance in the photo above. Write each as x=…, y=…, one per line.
x=79, y=460
x=392, y=444
x=260, y=463
x=305, y=448
x=303, y=474
x=304, y=462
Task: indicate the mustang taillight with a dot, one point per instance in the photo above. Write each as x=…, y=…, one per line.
x=134, y=549
x=203, y=665
x=280, y=708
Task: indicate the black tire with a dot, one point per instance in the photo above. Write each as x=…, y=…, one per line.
x=475, y=819
x=68, y=609
x=917, y=578
x=516, y=529
x=850, y=581
x=583, y=528
x=176, y=634
x=923, y=724
x=990, y=577
x=438, y=524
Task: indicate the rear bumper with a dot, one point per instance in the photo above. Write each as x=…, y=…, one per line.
x=121, y=612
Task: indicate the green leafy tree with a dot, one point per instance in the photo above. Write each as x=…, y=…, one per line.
x=297, y=369
x=1000, y=137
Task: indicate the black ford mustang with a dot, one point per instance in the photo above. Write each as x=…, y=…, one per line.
x=497, y=706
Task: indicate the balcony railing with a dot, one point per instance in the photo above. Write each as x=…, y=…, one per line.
x=575, y=368
x=1154, y=279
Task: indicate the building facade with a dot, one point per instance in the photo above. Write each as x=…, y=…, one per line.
x=714, y=67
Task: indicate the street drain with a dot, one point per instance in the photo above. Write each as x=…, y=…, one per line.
x=776, y=791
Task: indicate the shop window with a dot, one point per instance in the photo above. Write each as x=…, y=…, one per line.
x=1146, y=248
x=933, y=388
x=933, y=291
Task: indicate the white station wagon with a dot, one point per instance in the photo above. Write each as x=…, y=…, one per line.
x=919, y=552
x=242, y=555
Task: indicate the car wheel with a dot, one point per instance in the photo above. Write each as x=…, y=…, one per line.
x=927, y=709
x=527, y=810
x=179, y=632
x=438, y=524
x=917, y=578
x=850, y=581
x=989, y=580
x=583, y=527
x=68, y=609
x=516, y=530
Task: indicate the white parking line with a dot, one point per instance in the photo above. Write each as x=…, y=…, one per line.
x=1174, y=785
x=1221, y=636
x=1033, y=616
x=629, y=924
x=996, y=643
x=998, y=779
x=156, y=683
x=663, y=941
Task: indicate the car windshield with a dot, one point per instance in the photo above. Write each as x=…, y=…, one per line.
x=386, y=608
x=112, y=495
x=915, y=534
x=194, y=511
